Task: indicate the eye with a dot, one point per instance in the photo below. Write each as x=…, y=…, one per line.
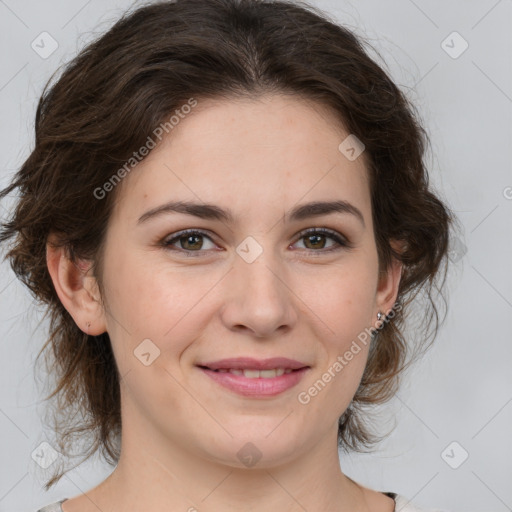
x=191, y=241
x=315, y=239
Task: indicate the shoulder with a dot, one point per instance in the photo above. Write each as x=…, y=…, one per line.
x=53, y=507
x=402, y=504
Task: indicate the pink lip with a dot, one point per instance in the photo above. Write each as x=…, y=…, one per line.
x=256, y=387
x=260, y=387
x=249, y=363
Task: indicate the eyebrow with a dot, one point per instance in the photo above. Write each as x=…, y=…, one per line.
x=213, y=212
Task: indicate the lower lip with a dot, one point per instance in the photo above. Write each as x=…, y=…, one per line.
x=259, y=387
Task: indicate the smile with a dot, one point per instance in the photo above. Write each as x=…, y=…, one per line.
x=256, y=374
x=256, y=383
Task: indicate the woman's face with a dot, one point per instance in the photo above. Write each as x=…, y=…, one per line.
x=253, y=282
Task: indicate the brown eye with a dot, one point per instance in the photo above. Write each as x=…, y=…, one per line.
x=315, y=240
x=188, y=241
x=191, y=242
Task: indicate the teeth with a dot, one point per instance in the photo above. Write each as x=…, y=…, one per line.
x=257, y=374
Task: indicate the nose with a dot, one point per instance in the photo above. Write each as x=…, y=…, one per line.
x=257, y=297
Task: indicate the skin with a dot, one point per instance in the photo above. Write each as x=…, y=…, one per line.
x=182, y=431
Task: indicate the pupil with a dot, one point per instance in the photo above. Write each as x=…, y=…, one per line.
x=317, y=237
x=189, y=240
x=191, y=237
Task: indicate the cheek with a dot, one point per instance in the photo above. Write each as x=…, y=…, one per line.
x=156, y=302
x=342, y=303
x=341, y=297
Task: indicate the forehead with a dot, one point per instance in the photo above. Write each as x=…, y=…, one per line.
x=273, y=150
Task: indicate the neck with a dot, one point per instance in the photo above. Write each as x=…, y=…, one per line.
x=149, y=477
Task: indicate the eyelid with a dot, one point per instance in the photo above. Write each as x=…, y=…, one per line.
x=169, y=240
x=342, y=242
x=338, y=237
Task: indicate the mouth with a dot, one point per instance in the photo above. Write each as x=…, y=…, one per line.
x=249, y=373
x=256, y=378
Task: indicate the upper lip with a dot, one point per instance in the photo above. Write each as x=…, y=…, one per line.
x=245, y=363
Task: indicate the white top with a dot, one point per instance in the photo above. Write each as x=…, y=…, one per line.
x=402, y=504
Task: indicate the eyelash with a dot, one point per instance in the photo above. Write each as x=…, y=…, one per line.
x=342, y=242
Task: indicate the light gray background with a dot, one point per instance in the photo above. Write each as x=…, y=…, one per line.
x=462, y=391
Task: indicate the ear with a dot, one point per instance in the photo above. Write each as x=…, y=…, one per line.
x=389, y=280
x=78, y=291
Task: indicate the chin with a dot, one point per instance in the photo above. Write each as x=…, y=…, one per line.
x=256, y=448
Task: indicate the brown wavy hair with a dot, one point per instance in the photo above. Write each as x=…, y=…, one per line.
x=113, y=95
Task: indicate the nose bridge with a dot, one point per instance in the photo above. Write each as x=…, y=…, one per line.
x=259, y=298
x=258, y=269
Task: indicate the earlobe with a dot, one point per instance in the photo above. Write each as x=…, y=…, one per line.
x=78, y=292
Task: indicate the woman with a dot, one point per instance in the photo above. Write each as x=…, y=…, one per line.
x=228, y=216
